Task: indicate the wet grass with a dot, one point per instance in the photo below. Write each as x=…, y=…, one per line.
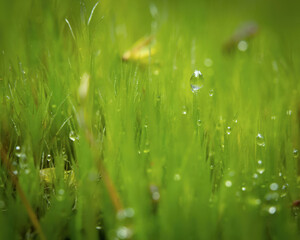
x=93, y=147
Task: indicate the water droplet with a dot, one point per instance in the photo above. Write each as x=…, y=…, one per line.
x=255, y=175
x=199, y=123
x=72, y=136
x=154, y=192
x=15, y=172
x=228, y=130
x=260, y=170
x=259, y=162
x=124, y=232
x=289, y=112
x=260, y=140
x=274, y=186
x=295, y=153
x=272, y=196
x=177, y=177
x=211, y=92
x=244, y=189
x=60, y=194
x=273, y=117
x=272, y=210
x=228, y=183
x=155, y=196
x=208, y=62
x=125, y=213
x=18, y=151
x=49, y=158
x=98, y=227
x=242, y=46
x=196, y=81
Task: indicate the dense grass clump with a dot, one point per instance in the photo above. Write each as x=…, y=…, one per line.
x=94, y=146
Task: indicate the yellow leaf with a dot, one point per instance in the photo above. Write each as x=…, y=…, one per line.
x=48, y=176
x=141, y=50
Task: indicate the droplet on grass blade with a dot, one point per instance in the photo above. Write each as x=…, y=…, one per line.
x=228, y=130
x=72, y=136
x=18, y=151
x=49, y=158
x=124, y=232
x=274, y=186
x=196, y=81
x=228, y=183
x=177, y=177
x=242, y=46
x=295, y=153
x=208, y=62
x=260, y=140
x=272, y=210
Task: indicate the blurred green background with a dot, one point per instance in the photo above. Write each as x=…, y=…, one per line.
x=137, y=154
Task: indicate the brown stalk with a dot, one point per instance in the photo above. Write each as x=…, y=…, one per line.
x=22, y=195
x=109, y=185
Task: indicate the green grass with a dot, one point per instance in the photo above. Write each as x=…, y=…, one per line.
x=139, y=144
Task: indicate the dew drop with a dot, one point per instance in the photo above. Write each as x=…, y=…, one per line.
x=124, y=232
x=155, y=196
x=184, y=110
x=60, y=194
x=196, y=81
x=228, y=130
x=177, y=177
x=260, y=140
x=199, y=123
x=49, y=158
x=289, y=112
x=259, y=162
x=125, y=213
x=208, y=62
x=274, y=186
x=228, y=183
x=72, y=136
x=260, y=170
x=211, y=92
x=272, y=210
x=242, y=46
x=154, y=192
x=244, y=189
x=255, y=175
x=18, y=151
x=295, y=153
